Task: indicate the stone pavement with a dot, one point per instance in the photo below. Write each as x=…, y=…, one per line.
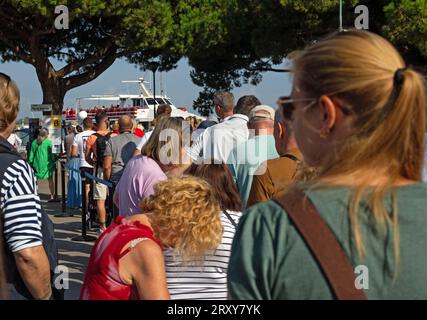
x=74, y=255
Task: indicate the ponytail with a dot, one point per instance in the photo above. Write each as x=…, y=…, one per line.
x=389, y=106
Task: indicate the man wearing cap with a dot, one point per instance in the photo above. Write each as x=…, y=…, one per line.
x=244, y=160
x=279, y=172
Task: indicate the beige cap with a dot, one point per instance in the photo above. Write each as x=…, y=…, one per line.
x=262, y=111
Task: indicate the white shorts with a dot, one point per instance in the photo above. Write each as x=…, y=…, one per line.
x=100, y=191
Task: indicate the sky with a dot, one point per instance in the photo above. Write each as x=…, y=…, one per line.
x=177, y=84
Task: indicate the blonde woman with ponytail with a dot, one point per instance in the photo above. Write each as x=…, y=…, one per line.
x=359, y=118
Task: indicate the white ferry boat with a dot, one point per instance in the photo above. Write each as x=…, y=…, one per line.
x=141, y=106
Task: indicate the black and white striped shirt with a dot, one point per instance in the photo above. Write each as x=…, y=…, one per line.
x=206, y=281
x=20, y=206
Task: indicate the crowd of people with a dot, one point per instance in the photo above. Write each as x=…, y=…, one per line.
x=255, y=203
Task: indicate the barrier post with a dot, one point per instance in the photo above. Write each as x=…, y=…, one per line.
x=56, y=181
x=111, y=190
x=64, y=207
x=84, y=237
x=64, y=213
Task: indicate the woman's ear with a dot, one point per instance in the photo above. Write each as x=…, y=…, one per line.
x=281, y=129
x=329, y=112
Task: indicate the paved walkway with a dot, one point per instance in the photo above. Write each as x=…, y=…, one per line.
x=73, y=255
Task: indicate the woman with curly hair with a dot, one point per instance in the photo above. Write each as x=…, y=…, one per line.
x=127, y=259
x=207, y=278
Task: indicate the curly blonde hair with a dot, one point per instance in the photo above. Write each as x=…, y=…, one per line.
x=185, y=216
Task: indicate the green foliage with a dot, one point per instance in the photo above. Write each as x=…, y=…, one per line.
x=263, y=32
x=407, y=24
x=227, y=42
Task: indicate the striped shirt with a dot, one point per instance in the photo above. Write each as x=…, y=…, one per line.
x=20, y=206
x=206, y=281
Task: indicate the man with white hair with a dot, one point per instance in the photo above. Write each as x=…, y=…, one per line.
x=278, y=172
x=245, y=159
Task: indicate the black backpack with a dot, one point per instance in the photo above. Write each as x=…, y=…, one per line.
x=16, y=288
x=101, y=145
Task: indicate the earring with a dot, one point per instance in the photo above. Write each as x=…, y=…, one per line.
x=324, y=133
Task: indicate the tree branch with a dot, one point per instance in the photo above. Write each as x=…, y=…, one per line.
x=21, y=54
x=92, y=73
x=58, y=53
x=76, y=65
x=11, y=18
x=268, y=69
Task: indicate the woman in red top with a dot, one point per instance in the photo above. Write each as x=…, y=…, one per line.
x=127, y=263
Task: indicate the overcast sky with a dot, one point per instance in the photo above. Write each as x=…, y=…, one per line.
x=177, y=84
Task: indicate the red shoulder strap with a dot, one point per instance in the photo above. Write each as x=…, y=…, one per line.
x=323, y=245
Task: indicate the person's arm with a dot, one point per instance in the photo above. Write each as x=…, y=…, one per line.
x=51, y=156
x=108, y=160
x=145, y=266
x=74, y=151
x=89, y=150
x=75, y=148
x=33, y=266
x=140, y=146
x=18, y=141
x=31, y=155
x=22, y=229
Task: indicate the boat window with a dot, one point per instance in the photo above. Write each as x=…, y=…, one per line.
x=150, y=101
x=136, y=102
x=160, y=101
x=167, y=101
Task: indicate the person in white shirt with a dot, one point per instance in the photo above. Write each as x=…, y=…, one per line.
x=15, y=141
x=216, y=142
x=79, y=151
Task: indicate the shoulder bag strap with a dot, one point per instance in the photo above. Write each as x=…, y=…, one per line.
x=230, y=218
x=323, y=245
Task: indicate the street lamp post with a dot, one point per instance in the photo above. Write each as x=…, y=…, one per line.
x=153, y=66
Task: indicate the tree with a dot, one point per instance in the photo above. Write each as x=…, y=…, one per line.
x=98, y=33
x=261, y=34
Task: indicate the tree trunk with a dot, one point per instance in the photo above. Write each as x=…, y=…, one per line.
x=53, y=94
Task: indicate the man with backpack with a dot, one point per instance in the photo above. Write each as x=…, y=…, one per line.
x=95, y=149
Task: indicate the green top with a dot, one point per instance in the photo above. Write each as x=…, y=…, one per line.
x=270, y=260
x=42, y=159
x=245, y=161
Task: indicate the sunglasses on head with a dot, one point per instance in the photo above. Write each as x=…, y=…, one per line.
x=8, y=79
